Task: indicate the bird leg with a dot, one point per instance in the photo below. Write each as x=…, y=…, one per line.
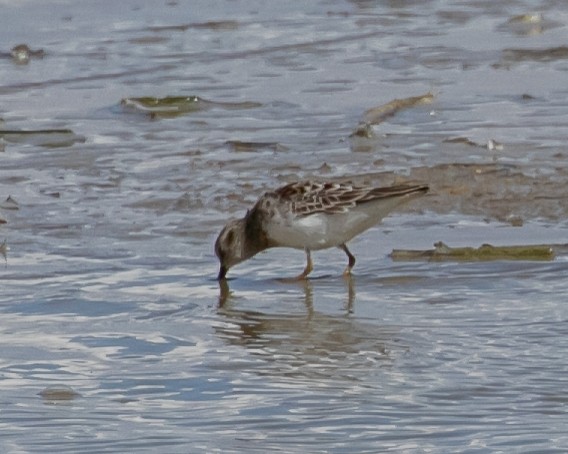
x=351, y=257
x=308, y=269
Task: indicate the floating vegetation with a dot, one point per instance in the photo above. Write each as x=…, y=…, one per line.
x=169, y=106
x=462, y=141
x=531, y=18
x=528, y=24
x=173, y=106
x=219, y=25
x=58, y=394
x=240, y=146
x=536, y=55
x=486, y=252
x=378, y=114
x=50, y=138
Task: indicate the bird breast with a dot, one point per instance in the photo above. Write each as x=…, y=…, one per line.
x=318, y=230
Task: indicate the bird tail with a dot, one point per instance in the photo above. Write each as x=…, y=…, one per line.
x=397, y=191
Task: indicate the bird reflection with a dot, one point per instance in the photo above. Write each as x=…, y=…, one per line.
x=4, y=252
x=310, y=343
x=225, y=293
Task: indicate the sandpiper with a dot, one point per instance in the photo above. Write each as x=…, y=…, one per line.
x=309, y=215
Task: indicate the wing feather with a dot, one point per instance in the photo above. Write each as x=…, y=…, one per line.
x=308, y=197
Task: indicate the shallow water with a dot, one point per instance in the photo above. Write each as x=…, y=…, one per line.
x=116, y=337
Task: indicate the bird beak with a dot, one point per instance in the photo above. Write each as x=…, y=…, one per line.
x=222, y=273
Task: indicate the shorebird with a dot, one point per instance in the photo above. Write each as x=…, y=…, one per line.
x=309, y=215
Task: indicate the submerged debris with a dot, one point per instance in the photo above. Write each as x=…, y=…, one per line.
x=363, y=130
x=9, y=204
x=491, y=144
x=172, y=106
x=21, y=54
x=51, y=138
x=217, y=25
x=442, y=252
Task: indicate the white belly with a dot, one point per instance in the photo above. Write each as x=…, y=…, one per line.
x=321, y=230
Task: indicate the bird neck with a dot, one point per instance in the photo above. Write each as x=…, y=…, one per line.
x=255, y=239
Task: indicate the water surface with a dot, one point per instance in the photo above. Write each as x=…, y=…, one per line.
x=116, y=337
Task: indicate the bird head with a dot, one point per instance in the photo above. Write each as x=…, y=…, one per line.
x=229, y=246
